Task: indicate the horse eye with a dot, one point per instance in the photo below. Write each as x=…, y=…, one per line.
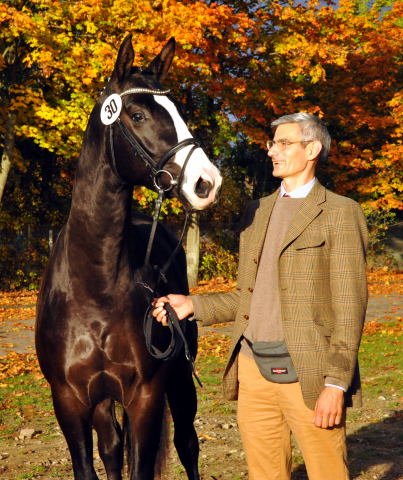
x=138, y=117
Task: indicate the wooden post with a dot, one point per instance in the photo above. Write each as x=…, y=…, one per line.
x=192, y=249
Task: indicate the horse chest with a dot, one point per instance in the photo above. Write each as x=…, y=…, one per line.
x=106, y=360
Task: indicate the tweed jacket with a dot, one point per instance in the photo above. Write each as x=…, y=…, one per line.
x=322, y=287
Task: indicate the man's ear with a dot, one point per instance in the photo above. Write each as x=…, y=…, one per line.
x=161, y=63
x=124, y=61
x=313, y=149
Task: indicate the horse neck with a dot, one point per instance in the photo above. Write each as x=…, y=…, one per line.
x=100, y=211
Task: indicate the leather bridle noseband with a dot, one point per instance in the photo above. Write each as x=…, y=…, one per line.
x=178, y=339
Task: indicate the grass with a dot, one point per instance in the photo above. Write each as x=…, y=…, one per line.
x=25, y=402
x=24, y=399
x=381, y=361
x=34, y=472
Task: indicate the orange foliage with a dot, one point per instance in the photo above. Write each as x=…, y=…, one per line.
x=341, y=62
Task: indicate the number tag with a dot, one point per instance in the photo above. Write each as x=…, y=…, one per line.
x=111, y=109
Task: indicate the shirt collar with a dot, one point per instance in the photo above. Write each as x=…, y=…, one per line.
x=300, y=192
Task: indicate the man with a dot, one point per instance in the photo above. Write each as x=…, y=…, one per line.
x=301, y=284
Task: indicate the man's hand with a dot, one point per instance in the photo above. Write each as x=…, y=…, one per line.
x=182, y=305
x=329, y=408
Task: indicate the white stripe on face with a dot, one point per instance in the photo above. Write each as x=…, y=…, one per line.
x=198, y=167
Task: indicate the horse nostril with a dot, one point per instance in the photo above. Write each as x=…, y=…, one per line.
x=203, y=188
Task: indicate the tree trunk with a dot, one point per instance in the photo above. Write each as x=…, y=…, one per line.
x=9, y=141
x=192, y=249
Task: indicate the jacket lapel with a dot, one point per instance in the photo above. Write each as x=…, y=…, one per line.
x=308, y=211
x=261, y=223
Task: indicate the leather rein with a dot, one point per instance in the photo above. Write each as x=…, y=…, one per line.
x=178, y=339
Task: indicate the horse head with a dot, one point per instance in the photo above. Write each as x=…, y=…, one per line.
x=149, y=142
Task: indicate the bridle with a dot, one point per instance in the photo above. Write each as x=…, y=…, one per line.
x=157, y=169
x=178, y=339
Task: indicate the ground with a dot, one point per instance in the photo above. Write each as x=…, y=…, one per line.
x=374, y=431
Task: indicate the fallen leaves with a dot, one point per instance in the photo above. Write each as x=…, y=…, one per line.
x=393, y=329
x=14, y=364
x=20, y=297
x=385, y=281
x=17, y=307
x=380, y=282
x=213, y=344
x=217, y=284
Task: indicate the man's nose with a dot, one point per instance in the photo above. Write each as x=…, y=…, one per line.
x=272, y=151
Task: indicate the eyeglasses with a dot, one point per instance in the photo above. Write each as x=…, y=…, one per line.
x=283, y=144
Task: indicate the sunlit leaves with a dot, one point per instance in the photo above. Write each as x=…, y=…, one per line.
x=236, y=69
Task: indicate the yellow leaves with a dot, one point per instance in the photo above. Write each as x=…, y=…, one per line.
x=317, y=73
x=214, y=285
x=20, y=313
x=18, y=21
x=5, y=13
x=89, y=74
x=77, y=50
x=91, y=27
x=45, y=112
x=391, y=330
x=205, y=436
x=308, y=57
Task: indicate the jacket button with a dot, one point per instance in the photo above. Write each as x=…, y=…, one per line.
x=246, y=317
x=250, y=290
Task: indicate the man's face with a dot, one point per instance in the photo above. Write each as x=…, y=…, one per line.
x=293, y=163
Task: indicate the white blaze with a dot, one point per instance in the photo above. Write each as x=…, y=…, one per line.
x=198, y=166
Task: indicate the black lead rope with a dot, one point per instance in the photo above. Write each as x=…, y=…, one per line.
x=156, y=214
x=178, y=339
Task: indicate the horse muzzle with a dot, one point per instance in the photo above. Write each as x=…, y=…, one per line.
x=202, y=191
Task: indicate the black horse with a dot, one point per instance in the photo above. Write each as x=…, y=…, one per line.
x=97, y=287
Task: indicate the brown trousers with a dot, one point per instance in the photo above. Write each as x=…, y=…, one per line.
x=267, y=414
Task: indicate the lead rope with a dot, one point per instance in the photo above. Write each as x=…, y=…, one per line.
x=157, y=211
x=178, y=339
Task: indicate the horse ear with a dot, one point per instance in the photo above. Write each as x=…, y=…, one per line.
x=162, y=62
x=124, y=61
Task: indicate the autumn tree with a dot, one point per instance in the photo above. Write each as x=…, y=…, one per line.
x=70, y=47
x=340, y=62
x=239, y=64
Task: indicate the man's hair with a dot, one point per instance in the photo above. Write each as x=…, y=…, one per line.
x=312, y=128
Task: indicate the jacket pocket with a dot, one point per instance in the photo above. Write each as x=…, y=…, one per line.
x=309, y=242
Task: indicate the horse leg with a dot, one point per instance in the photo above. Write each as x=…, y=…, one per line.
x=75, y=421
x=145, y=417
x=110, y=441
x=182, y=401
